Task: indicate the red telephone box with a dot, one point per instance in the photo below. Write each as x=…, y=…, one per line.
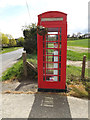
x=52, y=51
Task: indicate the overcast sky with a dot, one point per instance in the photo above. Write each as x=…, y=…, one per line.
x=14, y=14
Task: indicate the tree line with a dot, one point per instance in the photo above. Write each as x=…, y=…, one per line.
x=78, y=35
x=6, y=40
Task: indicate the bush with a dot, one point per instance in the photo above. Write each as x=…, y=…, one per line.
x=30, y=39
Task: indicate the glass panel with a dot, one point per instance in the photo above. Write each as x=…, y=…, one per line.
x=51, y=51
x=60, y=45
x=60, y=37
x=52, y=38
x=59, y=65
x=52, y=78
x=44, y=78
x=49, y=58
x=44, y=58
x=52, y=33
x=59, y=78
x=52, y=65
x=59, y=72
x=51, y=44
x=43, y=70
x=51, y=75
x=60, y=52
x=59, y=58
x=49, y=71
x=52, y=58
x=49, y=65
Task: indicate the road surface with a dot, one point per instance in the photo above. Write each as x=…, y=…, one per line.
x=8, y=59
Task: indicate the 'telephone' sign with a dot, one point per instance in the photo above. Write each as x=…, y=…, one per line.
x=52, y=19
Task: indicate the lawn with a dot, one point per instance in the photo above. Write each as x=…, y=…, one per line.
x=79, y=43
x=5, y=50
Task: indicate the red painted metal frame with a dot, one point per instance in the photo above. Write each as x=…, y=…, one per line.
x=52, y=24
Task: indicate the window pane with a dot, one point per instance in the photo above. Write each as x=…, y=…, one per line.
x=52, y=38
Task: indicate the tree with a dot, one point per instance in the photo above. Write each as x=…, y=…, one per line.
x=9, y=36
x=68, y=36
x=5, y=40
x=12, y=42
x=79, y=35
x=30, y=37
x=20, y=41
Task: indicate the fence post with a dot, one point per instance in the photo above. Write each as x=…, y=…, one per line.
x=83, y=67
x=24, y=63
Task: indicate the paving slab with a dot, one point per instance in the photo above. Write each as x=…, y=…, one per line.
x=16, y=105
x=43, y=105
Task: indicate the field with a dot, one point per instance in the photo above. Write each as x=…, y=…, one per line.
x=79, y=43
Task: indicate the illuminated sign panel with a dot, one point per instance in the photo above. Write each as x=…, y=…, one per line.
x=52, y=19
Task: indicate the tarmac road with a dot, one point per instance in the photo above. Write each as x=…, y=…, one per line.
x=8, y=59
x=43, y=105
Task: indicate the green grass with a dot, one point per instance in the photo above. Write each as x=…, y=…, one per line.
x=74, y=72
x=32, y=58
x=79, y=43
x=76, y=86
x=75, y=56
x=15, y=71
x=5, y=50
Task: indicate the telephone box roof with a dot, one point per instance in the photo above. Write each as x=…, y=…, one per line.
x=52, y=12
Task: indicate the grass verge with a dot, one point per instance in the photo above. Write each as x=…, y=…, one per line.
x=76, y=86
x=6, y=50
x=15, y=71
